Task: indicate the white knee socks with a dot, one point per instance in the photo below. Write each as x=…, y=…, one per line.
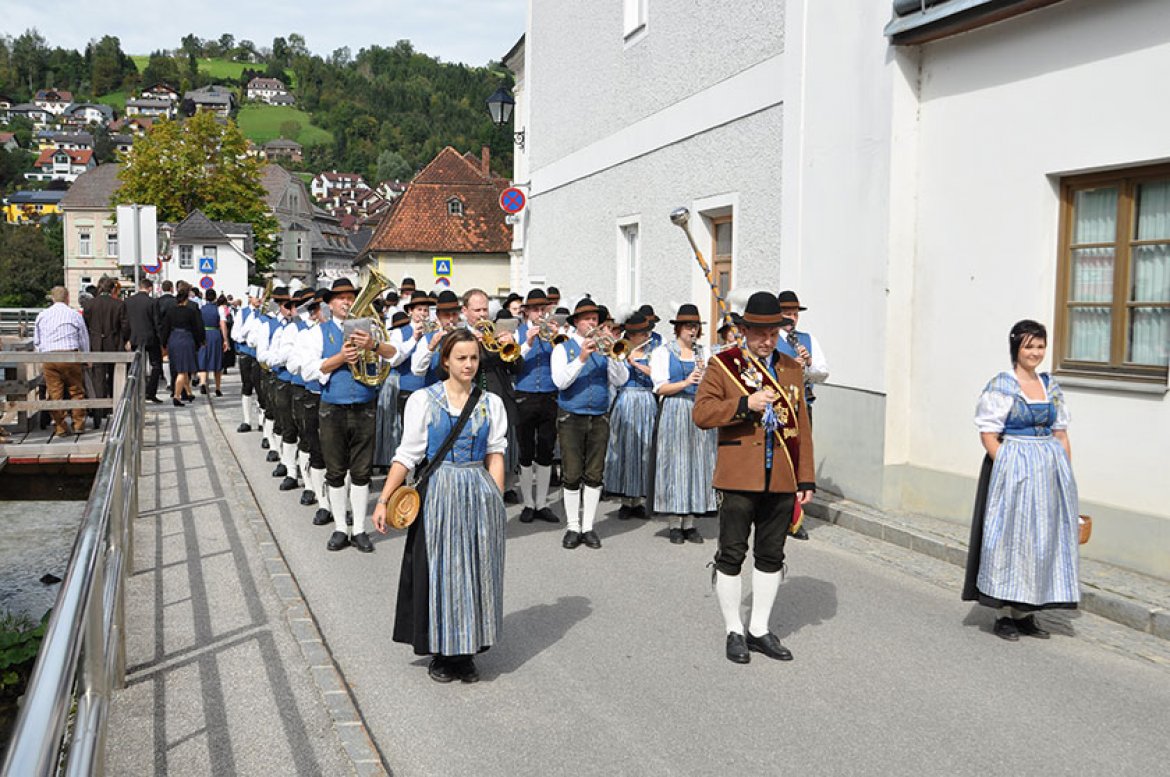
x=266, y=425
x=288, y=457
x=359, y=496
x=317, y=481
x=337, y=505
x=592, y=496
x=764, y=588
x=303, y=464
x=688, y=522
x=543, y=478
x=525, y=486
x=675, y=521
x=729, y=591
x=246, y=405
x=572, y=509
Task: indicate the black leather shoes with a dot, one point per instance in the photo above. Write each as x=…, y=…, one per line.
x=769, y=646
x=676, y=537
x=527, y=515
x=591, y=539
x=272, y=456
x=692, y=535
x=1005, y=628
x=244, y=428
x=464, y=668
x=624, y=513
x=737, y=649
x=322, y=517
x=280, y=471
x=440, y=670
x=264, y=444
x=571, y=539
x=308, y=498
x=546, y=514
x=288, y=484
x=800, y=534
x=361, y=541
x=511, y=497
x=1029, y=628
x=639, y=511
x=337, y=541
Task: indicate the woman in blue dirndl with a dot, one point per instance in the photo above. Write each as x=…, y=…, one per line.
x=389, y=429
x=450, y=592
x=684, y=454
x=214, y=342
x=631, y=426
x=1024, y=552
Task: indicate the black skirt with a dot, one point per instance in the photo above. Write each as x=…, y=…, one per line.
x=412, y=624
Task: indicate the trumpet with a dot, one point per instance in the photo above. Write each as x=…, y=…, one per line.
x=549, y=329
x=508, y=352
x=429, y=326
x=608, y=345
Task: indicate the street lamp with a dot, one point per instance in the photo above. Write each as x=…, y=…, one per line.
x=500, y=106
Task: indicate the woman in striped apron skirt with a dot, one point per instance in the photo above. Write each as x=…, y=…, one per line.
x=450, y=592
x=684, y=460
x=1024, y=554
x=389, y=422
x=631, y=426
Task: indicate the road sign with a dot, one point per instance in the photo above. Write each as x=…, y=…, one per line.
x=207, y=265
x=151, y=268
x=512, y=200
x=206, y=282
x=443, y=265
x=443, y=282
x=512, y=219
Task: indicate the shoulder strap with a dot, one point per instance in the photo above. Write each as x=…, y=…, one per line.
x=445, y=448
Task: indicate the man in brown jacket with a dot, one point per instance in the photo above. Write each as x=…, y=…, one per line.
x=765, y=462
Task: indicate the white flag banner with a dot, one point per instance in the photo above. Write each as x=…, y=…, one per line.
x=137, y=246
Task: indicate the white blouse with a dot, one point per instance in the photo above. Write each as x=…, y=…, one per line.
x=413, y=447
x=995, y=404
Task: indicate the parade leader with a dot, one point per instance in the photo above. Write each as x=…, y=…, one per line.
x=754, y=396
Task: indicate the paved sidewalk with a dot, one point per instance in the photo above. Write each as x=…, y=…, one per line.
x=1129, y=598
x=216, y=683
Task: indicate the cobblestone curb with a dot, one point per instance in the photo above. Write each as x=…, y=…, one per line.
x=347, y=721
x=1126, y=598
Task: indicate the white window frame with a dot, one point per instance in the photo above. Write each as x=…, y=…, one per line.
x=635, y=19
x=455, y=207
x=85, y=243
x=112, y=243
x=186, y=257
x=629, y=260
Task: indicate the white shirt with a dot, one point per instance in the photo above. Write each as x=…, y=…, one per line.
x=251, y=330
x=660, y=367
x=281, y=344
x=414, y=428
x=239, y=325
x=818, y=370
x=297, y=355
x=403, y=347
x=420, y=360
x=566, y=370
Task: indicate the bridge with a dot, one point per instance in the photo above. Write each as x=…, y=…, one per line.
x=202, y=628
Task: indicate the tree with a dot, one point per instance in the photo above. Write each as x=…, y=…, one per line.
x=107, y=65
x=161, y=69
x=279, y=51
x=29, y=264
x=103, y=146
x=227, y=42
x=392, y=166
x=341, y=57
x=202, y=164
x=30, y=57
x=13, y=165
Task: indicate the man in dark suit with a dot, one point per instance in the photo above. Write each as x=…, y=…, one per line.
x=142, y=310
x=109, y=330
x=166, y=301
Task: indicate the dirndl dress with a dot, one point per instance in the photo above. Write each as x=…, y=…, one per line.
x=211, y=352
x=451, y=586
x=684, y=454
x=181, y=352
x=1024, y=550
x=631, y=437
x=388, y=431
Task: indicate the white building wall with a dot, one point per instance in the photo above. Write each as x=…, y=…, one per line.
x=231, y=270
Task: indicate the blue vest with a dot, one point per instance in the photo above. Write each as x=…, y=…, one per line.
x=407, y=380
x=679, y=370
x=801, y=337
x=536, y=370
x=243, y=347
x=341, y=389
x=589, y=393
x=637, y=378
x=468, y=446
x=1030, y=419
x=294, y=377
x=432, y=377
x=273, y=324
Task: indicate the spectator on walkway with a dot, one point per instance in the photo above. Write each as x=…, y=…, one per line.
x=215, y=342
x=87, y=296
x=145, y=326
x=109, y=332
x=61, y=329
x=166, y=301
x=182, y=331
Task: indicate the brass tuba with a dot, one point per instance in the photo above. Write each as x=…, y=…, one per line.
x=508, y=352
x=369, y=369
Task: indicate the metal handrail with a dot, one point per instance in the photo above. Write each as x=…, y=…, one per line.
x=84, y=648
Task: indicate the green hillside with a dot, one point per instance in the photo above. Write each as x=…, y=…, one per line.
x=216, y=68
x=116, y=100
x=261, y=123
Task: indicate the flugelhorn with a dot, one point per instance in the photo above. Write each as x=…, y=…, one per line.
x=608, y=345
x=549, y=328
x=508, y=352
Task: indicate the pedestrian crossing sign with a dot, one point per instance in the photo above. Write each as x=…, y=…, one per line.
x=442, y=266
x=207, y=265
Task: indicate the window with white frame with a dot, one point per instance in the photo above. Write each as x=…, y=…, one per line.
x=209, y=251
x=186, y=257
x=634, y=17
x=84, y=243
x=629, y=259
x=112, y=243
x=454, y=207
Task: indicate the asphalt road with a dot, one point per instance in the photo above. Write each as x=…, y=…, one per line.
x=612, y=663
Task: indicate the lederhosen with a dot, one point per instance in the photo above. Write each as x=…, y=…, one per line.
x=347, y=416
x=245, y=356
x=536, y=403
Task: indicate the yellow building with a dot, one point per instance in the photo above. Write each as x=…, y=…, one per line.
x=29, y=207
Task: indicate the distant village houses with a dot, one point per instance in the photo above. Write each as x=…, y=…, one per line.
x=268, y=90
x=325, y=185
x=52, y=100
x=60, y=164
x=282, y=149
x=214, y=98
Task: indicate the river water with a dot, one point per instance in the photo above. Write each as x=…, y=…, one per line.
x=35, y=538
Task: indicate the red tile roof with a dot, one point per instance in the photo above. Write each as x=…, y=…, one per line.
x=76, y=157
x=419, y=220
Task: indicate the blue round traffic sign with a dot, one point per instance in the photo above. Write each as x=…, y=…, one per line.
x=206, y=282
x=512, y=200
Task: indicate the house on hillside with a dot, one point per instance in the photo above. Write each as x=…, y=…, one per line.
x=196, y=239
x=8, y=141
x=134, y=125
x=214, y=98
x=32, y=207
x=60, y=164
x=283, y=149
x=160, y=91
x=450, y=209
x=268, y=90
x=82, y=114
x=312, y=244
x=122, y=142
x=39, y=117
x=90, y=228
x=151, y=107
x=325, y=185
x=67, y=141
x=52, y=100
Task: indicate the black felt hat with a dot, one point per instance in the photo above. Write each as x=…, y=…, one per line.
x=762, y=309
x=407, y=285
x=603, y=315
x=687, y=314
x=789, y=300
x=280, y=294
x=340, y=286
x=648, y=312
x=583, y=307
x=637, y=323
x=419, y=299
x=535, y=297
x=554, y=295
x=448, y=301
x=399, y=320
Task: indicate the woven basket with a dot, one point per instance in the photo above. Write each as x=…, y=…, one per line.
x=1086, y=524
